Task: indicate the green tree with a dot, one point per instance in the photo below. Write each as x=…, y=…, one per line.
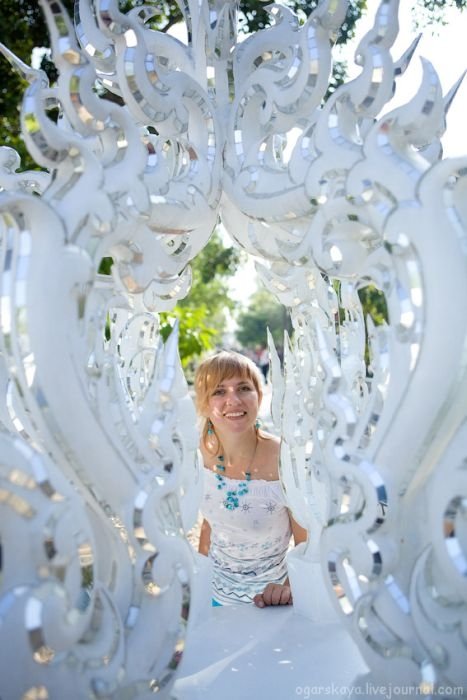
x=202, y=315
x=262, y=312
x=374, y=304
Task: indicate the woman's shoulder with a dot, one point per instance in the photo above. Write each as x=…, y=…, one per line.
x=270, y=441
x=268, y=462
x=208, y=458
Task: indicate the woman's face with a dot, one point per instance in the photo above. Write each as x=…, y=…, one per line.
x=233, y=405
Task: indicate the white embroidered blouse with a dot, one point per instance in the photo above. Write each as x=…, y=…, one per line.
x=249, y=542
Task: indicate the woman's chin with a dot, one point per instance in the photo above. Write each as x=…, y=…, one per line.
x=238, y=425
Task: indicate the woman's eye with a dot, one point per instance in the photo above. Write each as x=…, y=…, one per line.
x=218, y=392
x=245, y=388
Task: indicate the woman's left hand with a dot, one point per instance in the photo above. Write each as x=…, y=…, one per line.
x=274, y=594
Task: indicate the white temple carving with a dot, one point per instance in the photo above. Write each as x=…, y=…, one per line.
x=101, y=595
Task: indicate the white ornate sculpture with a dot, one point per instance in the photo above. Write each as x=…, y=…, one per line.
x=98, y=476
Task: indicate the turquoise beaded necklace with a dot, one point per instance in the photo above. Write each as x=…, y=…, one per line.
x=232, y=496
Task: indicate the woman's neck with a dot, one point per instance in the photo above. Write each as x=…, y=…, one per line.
x=238, y=449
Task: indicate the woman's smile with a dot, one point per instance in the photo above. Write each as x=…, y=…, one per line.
x=234, y=402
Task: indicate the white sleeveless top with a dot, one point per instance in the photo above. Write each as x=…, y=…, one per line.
x=249, y=542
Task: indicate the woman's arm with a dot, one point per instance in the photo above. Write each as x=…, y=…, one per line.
x=280, y=593
x=204, y=538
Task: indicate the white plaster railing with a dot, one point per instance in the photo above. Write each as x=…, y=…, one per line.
x=99, y=476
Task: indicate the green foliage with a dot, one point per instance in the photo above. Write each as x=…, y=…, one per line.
x=202, y=314
x=374, y=304
x=195, y=334
x=339, y=75
x=211, y=269
x=432, y=12
x=22, y=30
x=105, y=266
x=263, y=312
x=254, y=16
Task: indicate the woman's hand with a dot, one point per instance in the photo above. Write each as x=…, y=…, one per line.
x=204, y=538
x=274, y=594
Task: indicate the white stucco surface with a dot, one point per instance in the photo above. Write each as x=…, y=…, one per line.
x=274, y=653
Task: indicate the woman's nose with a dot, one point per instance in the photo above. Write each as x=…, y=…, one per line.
x=233, y=397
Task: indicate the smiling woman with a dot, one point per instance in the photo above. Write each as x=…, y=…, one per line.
x=247, y=527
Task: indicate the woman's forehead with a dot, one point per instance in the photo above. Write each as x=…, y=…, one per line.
x=236, y=379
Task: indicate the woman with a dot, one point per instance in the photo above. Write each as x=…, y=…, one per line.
x=247, y=528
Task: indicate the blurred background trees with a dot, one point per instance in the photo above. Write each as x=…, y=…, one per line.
x=262, y=312
x=203, y=314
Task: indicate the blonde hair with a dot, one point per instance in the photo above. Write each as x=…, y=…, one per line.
x=210, y=373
